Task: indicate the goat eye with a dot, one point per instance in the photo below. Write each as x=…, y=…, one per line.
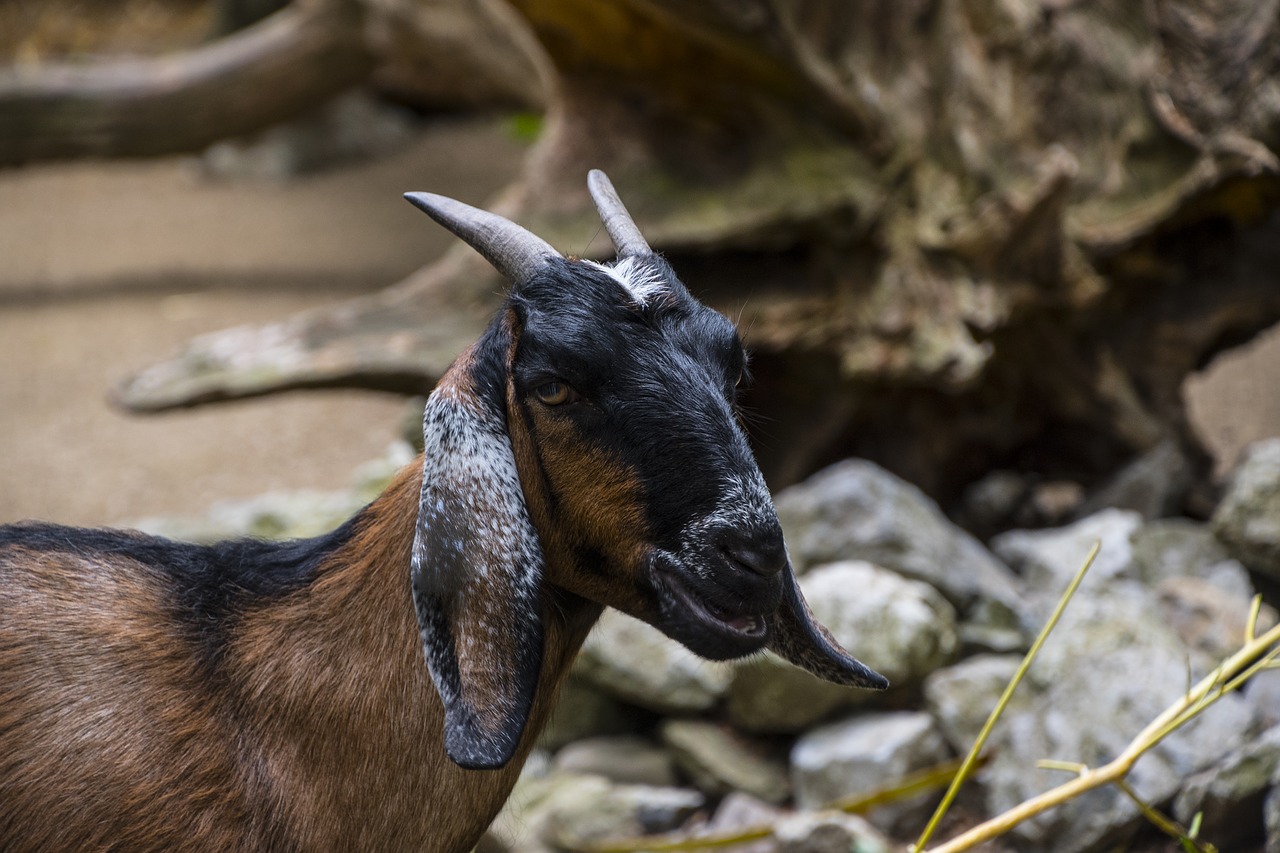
x=555, y=393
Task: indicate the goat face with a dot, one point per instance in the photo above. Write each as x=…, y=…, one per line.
x=625, y=387
x=593, y=430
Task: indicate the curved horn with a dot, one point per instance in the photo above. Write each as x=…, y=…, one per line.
x=626, y=237
x=514, y=251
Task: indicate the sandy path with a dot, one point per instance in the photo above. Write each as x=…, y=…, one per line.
x=106, y=268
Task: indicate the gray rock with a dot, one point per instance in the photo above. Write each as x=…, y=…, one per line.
x=864, y=753
x=276, y=515
x=628, y=759
x=990, y=627
x=1153, y=484
x=828, y=832
x=1052, y=557
x=285, y=515
x=1206, y=619
x=372, y=478
x=1112, y=665
x=1229, y=796
x=560, y=809
x=518, y=827
x=637, y=663
x=902, y=628
x=1247, y=519
x=620, y=811
x=537, y=765
x=719, y=761
x=1049, y=559
x=992, y=502
x=1182, y=548
x=739, y=812
x=857, y=510
x=1263, y=692
x=584, y=711
x=961, y=697
x=769, y=694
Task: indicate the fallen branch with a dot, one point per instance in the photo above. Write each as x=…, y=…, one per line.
x=144, y=106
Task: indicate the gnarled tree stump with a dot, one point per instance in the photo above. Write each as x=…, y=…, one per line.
x=957, y=234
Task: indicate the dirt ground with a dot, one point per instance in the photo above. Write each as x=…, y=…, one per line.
x=108, y=267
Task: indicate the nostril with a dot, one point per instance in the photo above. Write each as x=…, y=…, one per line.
x=761, y=552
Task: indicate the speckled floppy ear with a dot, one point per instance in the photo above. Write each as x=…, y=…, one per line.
x=477, y=563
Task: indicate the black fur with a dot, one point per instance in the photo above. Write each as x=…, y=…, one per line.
x=211, y=584
x=656, y=393
x=640, y=370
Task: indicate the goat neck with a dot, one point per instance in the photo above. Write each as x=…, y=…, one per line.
x=339, y=700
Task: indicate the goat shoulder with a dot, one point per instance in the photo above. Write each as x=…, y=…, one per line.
x=286, y=709
x=109, y=729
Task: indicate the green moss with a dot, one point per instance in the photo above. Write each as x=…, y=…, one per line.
x=524, y=127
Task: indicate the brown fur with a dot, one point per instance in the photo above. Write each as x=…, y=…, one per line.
x=110, y=736
x=324, y=733
x=581, y=498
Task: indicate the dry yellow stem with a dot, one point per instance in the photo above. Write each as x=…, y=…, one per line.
x=1255, y=655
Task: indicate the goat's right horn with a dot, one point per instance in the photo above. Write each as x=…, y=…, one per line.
x=626, y=237
x=516, y=252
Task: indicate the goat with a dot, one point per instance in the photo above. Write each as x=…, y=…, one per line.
x=584, y=452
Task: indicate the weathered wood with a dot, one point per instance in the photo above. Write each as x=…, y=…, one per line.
x=456, y=54
x=381, y=341
x=956, y=234
x=137, y=107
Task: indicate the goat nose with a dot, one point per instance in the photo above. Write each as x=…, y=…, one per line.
x=761, y=550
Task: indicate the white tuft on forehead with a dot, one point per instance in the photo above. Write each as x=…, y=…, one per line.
x=641, y=280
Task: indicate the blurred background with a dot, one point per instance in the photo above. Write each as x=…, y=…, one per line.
x=115, y=258
x=1017, y=255
x=1026, y=239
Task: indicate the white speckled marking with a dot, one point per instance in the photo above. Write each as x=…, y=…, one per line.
x=744, y=502
x=475, y=550
x=638, y=278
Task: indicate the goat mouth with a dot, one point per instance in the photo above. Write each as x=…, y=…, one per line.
x=750, y=627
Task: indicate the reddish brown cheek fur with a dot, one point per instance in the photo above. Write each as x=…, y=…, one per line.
x=598, y=505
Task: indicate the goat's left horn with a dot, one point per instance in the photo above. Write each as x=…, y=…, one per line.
x=516, y=252
x=626, y=237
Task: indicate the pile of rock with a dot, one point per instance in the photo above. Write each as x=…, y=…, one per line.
x=649, y=738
